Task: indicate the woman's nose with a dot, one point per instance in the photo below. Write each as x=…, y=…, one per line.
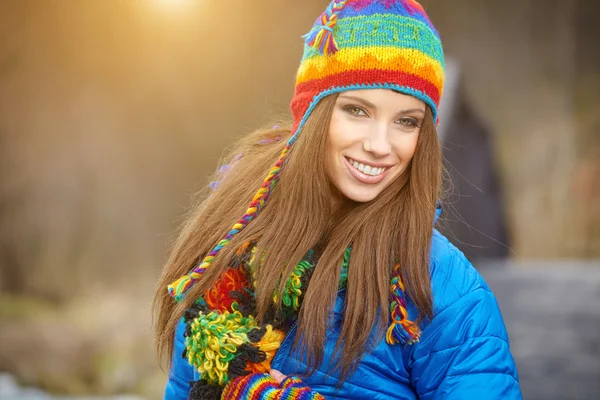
x=377, y=141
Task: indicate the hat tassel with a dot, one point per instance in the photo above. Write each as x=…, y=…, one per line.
x=321, y=36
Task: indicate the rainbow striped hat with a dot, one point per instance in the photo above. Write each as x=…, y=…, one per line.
x=354, y=44
x=365, y=44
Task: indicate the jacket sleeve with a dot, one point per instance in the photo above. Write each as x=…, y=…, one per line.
x=181, y=372
x=464, y=352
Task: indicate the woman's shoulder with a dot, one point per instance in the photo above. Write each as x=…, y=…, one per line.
x=452, y=274
x=465, y=347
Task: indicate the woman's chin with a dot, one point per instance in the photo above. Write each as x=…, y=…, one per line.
x=360, y=195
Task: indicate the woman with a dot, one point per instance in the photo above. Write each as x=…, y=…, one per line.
x=333, y=283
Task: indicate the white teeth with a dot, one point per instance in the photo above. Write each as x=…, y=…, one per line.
x=366, y=169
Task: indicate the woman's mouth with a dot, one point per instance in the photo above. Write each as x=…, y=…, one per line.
x=366, y=173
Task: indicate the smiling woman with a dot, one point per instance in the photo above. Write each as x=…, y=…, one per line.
x=372, y=139
x=314, y=269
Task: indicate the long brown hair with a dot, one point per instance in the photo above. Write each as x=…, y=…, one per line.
x=397, y=225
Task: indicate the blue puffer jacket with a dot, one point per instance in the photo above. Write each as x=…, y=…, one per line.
x=463, y=352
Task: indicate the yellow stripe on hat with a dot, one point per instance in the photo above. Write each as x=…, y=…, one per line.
x=410, y=61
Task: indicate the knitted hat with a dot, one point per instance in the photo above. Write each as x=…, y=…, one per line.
x=366, y=44
x=354, y=44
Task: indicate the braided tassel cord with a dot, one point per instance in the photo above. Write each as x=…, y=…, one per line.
x=178, y=288
x=321, y=36
x=401, y=329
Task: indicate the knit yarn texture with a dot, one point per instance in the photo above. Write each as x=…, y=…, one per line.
x=227, y=346
x=232, y=351
x=361, y=44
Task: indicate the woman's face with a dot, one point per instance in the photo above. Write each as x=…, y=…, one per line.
x=372, y=138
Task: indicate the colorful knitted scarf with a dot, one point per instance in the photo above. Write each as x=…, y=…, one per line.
x=233, y=352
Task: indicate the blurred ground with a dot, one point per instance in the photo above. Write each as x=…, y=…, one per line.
x=101, y=345
x=10, y=390
x=552, y=312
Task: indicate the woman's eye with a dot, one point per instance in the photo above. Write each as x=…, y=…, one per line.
x=354, y=110
x=408, y=123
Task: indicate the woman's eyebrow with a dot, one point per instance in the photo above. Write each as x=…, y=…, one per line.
x=371, y=105
x=362, y=101
x=412, y=110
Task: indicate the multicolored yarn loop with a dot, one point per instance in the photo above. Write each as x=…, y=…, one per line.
x=223, y=340
x=264, y=387
x=354, y=44
x=233, y=352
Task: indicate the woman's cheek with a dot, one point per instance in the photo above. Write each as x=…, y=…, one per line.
x=404, y=148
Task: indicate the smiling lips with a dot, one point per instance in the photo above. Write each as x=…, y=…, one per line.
x=366, y=173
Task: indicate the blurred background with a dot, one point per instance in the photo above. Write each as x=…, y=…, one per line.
x=113, y=113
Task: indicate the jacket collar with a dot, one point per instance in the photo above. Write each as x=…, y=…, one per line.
x=438, y=212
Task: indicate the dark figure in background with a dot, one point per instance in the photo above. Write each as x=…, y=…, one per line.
x=474, y=209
